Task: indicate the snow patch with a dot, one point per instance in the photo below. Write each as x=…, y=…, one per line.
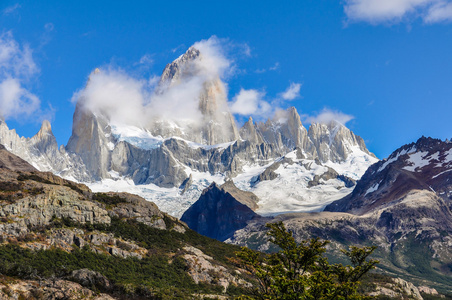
x=355, y=165
x=393, y=159
x=448, y=156
x=292, y=155
x=289, y=192
x=372, y=188
x=143, y=139
x=417, y=160
x=441, y=173
x=168, y=200
x=136, y=136
x=434, y=156
x=110, y=146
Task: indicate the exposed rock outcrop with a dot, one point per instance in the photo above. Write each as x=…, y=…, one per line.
x=249, y=133
x=137, y=208
x=244, y=197
x=397, y=288
x=218, y=214
x=89, y=278
x=91, y=140
x=12, y=289
x=202, y=268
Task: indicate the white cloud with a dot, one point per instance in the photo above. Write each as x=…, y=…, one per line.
x=16, y=68
x=439, y=12
x=292, y=92
x=138, y=101
x=275, y=67
x=15, y=101
x=249, y=102
x=146, y=60
x=328, y=115
x=49, y=27
x=246, y=50
x=174, y=50
x=153, y=81
x=253, y=102
x=394, y=11
x=15, y=61
x=281, y=115
x=272, y=68
x=114, y=94
x=213, y=61
x=10, y=9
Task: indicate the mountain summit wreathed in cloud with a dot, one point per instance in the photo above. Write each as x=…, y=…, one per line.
x=179, y=136
x=190, y=100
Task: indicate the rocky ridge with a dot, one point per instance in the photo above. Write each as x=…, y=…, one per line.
x=53, y=229
x=425, y=164
x=401, y=205
x=43, y=153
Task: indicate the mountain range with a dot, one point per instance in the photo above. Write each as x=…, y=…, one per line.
x=402, y=204
x=227, y=182
x=172, y=160
x=59, y=240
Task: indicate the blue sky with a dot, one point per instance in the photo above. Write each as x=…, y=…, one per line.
x=384, y=65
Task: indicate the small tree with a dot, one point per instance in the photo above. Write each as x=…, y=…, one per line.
x=301, y=271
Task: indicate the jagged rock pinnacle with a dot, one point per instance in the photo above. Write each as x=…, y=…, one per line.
x=46, y=130
x=46, y=127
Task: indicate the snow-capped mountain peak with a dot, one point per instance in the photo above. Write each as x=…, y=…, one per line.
x=170, y=160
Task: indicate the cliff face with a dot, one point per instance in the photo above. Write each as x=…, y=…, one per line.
x=90, y=140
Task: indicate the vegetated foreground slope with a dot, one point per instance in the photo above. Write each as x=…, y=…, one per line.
x=58, y=239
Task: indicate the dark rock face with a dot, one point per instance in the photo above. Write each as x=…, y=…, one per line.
x=217, y=214
x=425, y=165
x=186, y=184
